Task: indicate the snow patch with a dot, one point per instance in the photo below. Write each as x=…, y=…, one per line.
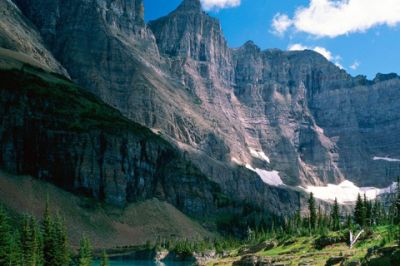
x=385, y=159
x=319, y=130
x=237, y=161
x=260, y=155
x=268, y=177
x=347, y=192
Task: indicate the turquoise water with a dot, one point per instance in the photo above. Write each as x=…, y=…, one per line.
x=145, y=263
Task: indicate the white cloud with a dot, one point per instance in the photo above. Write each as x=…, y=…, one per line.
x=321, y=50
x=280, y=23
x=355, y=65
x=218, y=4
x=332, y=18
x=298, y=47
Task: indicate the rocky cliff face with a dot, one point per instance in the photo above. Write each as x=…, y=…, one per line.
x=274, y=88
x=271, y=111
x=53, y=130
x=363, y=122
x=274, y=105
x=125, y=70
x=17, y=34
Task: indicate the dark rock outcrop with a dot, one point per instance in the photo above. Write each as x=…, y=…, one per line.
x=53, y=130
x=252, y=260
x=334, y=261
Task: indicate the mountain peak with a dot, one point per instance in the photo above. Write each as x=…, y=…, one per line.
x=251, y=45
x=192, y=5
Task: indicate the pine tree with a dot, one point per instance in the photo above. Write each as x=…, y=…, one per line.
x=297, y=219
x=369, y=215
x=16, y=257
x=5, y=238
x=376, y=218
x=368, y=211
x=40, y=244
x=320, y=219
x=104, y=259
x=30, y=242
x=359, y=212
x=61, y=256
x=85, y=253
x=397, y=203
x=312, y=211
x=49, y=250
x=335, y=216
x=349, y=223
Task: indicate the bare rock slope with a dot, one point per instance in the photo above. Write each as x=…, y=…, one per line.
x=18, y=35
x=245, y=117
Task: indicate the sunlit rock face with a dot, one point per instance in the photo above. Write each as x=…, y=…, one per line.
x=293, y=114
x=314, y=123
x=19, y=36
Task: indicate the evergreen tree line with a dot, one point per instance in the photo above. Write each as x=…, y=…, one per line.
x=366, y=214
x=43, y=243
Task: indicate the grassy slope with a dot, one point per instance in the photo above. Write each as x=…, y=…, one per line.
x=301, y=251
x=106, y=226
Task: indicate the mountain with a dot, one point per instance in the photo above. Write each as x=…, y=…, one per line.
x=18, y=34
x=277, y=106
x=111, y=51
x=248, y=120
x=58, y=132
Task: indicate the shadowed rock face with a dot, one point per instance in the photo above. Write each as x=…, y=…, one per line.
x=177, y=75
x=53, y=130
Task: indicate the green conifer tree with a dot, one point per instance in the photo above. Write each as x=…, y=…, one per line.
x=320, y=218
x=16, y=257
x=349, y=222
x=30, y=242
x=397, y=203
x=85, y=253
x=359, y=212
x=62, y=256
x=5, y=239
x=49, y=250
x=376, y=213
x=104, y=259
x=397, y=214
x=368, y=211
x=335, y=216
x=312, y=212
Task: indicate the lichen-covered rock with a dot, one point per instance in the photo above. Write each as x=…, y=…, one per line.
x=263, y=246
x=252, y=260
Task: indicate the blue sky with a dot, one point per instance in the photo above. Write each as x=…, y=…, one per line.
x=363, y=37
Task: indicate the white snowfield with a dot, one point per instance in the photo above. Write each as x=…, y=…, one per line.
x=268, y=177
x=385, y=159
x=260, y=155
x=347, y=192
